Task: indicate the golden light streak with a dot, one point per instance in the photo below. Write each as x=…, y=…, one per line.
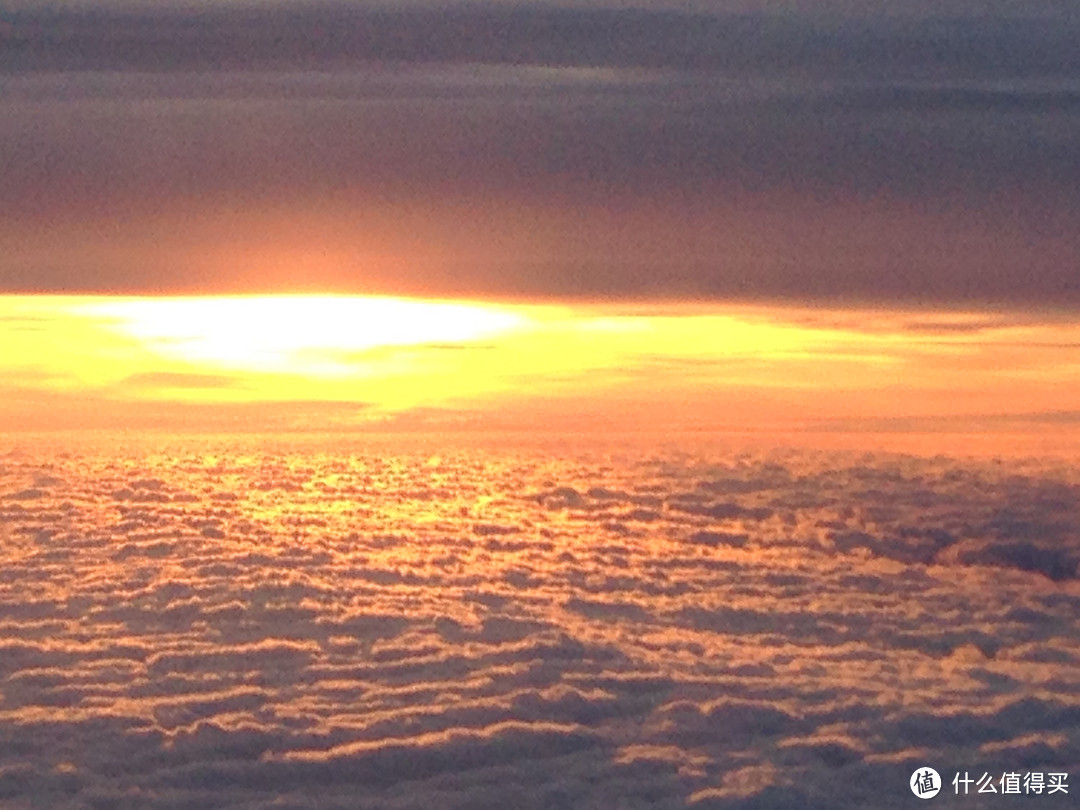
x=65, y=360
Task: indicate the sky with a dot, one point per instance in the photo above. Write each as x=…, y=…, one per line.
x=570, y=163
x=355, y=308
x=482, y=404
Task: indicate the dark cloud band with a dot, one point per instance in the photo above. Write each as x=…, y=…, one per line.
x=538, y=151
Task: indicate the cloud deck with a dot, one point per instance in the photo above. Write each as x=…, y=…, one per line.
x=232, y=623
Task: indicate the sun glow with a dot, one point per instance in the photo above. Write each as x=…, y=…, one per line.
x=333, y=361
x=311, y=335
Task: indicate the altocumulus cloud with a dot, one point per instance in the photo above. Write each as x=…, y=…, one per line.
x=344, y=634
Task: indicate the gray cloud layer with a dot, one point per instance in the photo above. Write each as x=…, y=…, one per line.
x=538, y=150
x=298, y=36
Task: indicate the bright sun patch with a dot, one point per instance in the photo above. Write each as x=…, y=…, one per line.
x=311, y=335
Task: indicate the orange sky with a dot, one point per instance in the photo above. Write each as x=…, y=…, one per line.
x=350, y=362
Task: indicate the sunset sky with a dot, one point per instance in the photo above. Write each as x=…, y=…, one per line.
x=552, y=405
x=751, y=215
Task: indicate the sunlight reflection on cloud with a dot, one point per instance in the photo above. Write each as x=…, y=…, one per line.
x=214, y=623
